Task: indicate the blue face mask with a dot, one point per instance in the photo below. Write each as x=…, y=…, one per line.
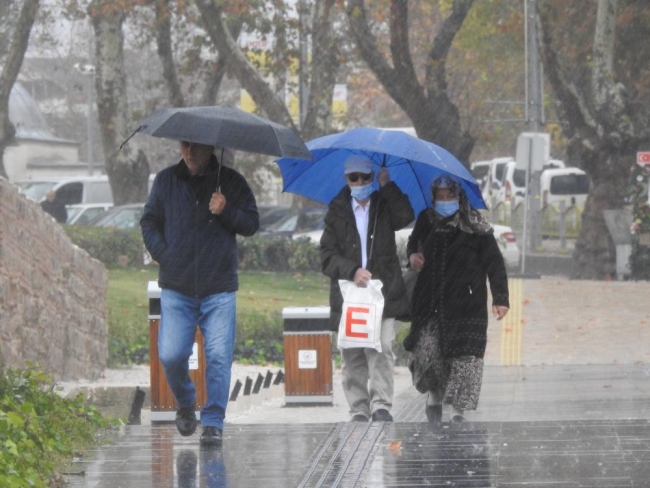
x=360, y=193
x=447, y=208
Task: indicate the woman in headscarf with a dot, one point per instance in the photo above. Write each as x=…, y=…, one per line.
x=455, y=252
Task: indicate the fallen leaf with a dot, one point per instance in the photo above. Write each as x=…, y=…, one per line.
x=395, y=447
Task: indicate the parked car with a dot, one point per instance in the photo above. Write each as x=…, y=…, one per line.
x=71, y=190
x=298, y=222
x=513, y=184
x=125, y=217
x=489, y=175
x=503, y=234
x=84, y=213
x=272, y=214
x=568, y=184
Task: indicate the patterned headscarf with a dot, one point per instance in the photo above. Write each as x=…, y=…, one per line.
x=467, y=219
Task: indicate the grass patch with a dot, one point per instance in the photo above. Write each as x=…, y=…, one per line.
x=260, y=300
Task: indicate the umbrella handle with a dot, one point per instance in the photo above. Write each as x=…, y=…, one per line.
x=129, y=138
x=220, y=161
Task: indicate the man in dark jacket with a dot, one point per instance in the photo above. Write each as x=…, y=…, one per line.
x=190, y=222
x=54, y=207
x=358, y=244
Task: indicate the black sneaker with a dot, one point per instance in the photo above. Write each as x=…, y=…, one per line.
x=434, y=414
x=186, y=421
x=382, y=415
x=211, y=436
x=359, y=418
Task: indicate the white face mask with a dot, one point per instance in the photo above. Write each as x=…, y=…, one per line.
x=361, y=193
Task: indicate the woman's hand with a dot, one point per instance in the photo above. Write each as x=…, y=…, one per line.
x=417, y=261
x=499, y=311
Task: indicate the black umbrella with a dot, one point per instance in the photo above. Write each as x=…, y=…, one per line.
x=224, y=126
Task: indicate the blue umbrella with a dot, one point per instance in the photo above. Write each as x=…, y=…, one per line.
x=413, y=164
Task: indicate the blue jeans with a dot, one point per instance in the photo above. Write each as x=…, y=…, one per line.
x=215, y=315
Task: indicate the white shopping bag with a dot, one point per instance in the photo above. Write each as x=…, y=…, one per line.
x=361, y=315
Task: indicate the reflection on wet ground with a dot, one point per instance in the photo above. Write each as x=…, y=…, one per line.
x=563, y=454
x=560, y=426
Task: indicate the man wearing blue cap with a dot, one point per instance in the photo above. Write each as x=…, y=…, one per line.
x=358, y=244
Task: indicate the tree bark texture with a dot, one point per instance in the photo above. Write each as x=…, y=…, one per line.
x=263, y=95
x=604, y=135
x=435, y=117
x=324, y=67
x=165, y=53
x=128, y=174
x=10, y=72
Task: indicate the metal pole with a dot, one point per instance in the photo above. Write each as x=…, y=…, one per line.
x=534, y=104
x=89, y=124
x=302, y=62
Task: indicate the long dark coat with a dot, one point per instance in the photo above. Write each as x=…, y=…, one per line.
x=451, y=289
x=340, y=247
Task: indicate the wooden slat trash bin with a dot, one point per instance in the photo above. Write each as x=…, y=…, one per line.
x=307, y=355
x=163, y=404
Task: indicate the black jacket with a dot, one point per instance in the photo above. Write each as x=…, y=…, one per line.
x=55, y=209
x=197, y=251
x=451, y=289
x=341, y=248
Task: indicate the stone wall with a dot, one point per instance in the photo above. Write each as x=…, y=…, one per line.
x=52, y=294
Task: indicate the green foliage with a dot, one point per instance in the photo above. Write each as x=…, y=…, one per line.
x=260, y=300
x=108, y=244
x=259, y=338
x=278, y=254
x=128, y=329
x=38, y=428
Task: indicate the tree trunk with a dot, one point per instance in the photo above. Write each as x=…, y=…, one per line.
x=10, y=72
x=595, y=253
x=604, y=136
x=434, y=116
x=250, y=79
x=165, y=53
x=128, y=174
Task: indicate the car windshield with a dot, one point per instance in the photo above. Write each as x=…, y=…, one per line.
x=287, y=224
x=73, y=212
x=121, y=218
x=575, y=184
x=35, y=190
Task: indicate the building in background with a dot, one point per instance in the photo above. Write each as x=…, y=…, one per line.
x=36, y=151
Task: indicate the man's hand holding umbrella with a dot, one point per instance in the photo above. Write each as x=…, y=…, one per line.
x=217, y=202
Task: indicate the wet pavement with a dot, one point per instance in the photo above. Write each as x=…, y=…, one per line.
x=565, y=402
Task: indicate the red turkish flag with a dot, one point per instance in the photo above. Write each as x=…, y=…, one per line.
x=643, y=158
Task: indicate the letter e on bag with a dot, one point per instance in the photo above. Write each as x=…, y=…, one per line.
x=352, y=318
x=361, y=315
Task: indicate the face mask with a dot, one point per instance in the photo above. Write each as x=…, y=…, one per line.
x=360, y=193
x=447, y=208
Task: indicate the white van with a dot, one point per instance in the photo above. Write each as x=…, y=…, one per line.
x=513, y=182
x=568, y=184
x=489, y=174
x=71, y=190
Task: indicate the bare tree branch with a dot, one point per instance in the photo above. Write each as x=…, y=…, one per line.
x=10, y=72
